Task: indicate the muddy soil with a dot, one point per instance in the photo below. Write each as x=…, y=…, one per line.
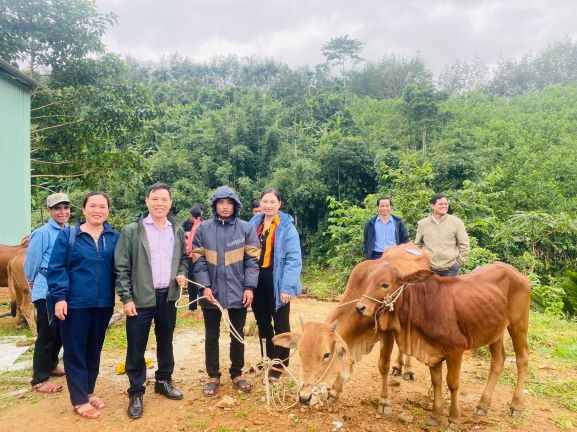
x=355, y=410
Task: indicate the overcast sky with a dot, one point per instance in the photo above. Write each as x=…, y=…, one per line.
x=294, y=31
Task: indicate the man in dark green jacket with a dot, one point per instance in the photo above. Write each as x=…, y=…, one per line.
x=151, y=264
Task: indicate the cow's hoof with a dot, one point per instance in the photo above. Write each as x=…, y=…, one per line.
x=332, y=398
x=385, y=410
x=409, y=376
x=13, y=309
x=396, y=371
x=513, y=412
x=480, y=412
x=432, y=422
x=453, y=426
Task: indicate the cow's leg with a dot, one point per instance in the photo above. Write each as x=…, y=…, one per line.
x=409, y=374
x=436, y=380
x=398, y=366
x=29, y=311
x=15, y=296
x=387, y=342
x=519, y=338
x=453, y=377
x=335, y=390
x=497, y=361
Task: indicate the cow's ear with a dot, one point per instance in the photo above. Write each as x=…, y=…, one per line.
x=342, y=349
x=419, y=276
x=286, y=340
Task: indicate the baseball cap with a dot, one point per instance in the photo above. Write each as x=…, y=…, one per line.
x=57, y=198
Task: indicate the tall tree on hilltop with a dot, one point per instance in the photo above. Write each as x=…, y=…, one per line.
x=342, y=49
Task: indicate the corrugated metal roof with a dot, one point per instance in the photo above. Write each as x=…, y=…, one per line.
x=18, y=75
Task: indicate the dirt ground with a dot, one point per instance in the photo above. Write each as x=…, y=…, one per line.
x=353, y=412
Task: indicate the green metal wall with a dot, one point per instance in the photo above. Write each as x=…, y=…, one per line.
x=14, y=160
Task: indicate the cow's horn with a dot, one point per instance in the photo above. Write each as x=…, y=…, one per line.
x=334, y=324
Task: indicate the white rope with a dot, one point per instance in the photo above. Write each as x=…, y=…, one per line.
x=389, y=300
x=227, y=322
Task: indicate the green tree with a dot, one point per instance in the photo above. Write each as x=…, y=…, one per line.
x=51, y=32
x=341, y=49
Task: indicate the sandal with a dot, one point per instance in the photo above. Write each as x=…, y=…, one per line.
x=87, y=411
x=242, y=384
x=96, y=402
x=210, y=388
x=47, y=387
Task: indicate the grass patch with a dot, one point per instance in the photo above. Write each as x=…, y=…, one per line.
x=553, y=337
x=554, y=389
x=320, y=282
x=565, y=422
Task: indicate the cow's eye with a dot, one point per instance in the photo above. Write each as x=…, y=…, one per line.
x=326, y=355
x=385, y=285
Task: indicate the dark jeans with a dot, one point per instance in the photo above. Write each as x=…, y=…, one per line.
x=137, y=331
x=265, y=313
x=453, y=271
x=376, y=255
x=47, y=346
x=212, y=319
x=83, y=333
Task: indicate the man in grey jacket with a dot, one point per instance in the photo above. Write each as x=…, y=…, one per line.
x=225, y=252
x=150, y=264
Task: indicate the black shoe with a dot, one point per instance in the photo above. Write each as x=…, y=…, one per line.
x=167, y=389
x=135, y=407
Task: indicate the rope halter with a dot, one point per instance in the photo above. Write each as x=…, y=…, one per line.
x=389, y=300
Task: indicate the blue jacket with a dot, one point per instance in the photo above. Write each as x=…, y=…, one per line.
x=89, y=282
x=37, y=257
x=401, y=234
x=287, y=265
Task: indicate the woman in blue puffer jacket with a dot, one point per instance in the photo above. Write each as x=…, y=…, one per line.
x=81, y=280
x=279, y=277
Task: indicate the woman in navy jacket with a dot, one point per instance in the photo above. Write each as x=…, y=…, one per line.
x=280, y=271
x=81, y=286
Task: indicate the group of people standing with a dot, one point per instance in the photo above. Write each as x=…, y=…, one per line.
x=442, y=235
x=75, y=271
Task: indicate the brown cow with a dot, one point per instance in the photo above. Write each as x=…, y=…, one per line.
x=435, y=318
x=6, y=254
x=20, y=292
x=329, y=349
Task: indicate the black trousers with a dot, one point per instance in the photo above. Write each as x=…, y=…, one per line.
x=212, y=318
x=83, y=332
x=137, y=331
x=47, y=346
x=265, y=313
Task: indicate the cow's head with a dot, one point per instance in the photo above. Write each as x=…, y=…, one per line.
x=385, y=284
x=324, y=356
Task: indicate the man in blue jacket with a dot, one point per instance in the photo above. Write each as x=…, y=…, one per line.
x=225, y=252
x=383, y=230
x=48, y=342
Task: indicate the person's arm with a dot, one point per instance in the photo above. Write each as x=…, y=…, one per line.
x=251, y=257
x=34, y=254
x=123, y=267
x=293, y=264
x=419, y=236
x=182, y=272
x=462, y=243
x=57, y=275
x=201, y=274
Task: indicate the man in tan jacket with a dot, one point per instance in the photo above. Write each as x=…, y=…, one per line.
x=444, y=237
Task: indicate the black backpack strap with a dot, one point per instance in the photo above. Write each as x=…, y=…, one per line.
x=71, y=240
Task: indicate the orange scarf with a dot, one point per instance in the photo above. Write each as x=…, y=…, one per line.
x=268, y=237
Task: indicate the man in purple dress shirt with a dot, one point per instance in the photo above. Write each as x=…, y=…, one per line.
x=151, y=264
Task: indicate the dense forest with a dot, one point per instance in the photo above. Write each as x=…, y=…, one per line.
x=501, y=142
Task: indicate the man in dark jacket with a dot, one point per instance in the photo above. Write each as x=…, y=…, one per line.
x=150, y=264
x=225, y=252
x=383, y=230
